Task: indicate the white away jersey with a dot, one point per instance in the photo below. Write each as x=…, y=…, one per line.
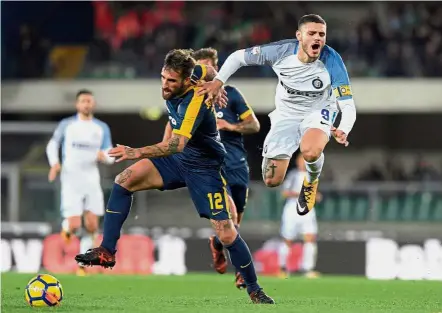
x=303, y=87
x=80, y=140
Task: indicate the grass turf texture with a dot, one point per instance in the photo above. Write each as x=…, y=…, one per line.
x=198, y=293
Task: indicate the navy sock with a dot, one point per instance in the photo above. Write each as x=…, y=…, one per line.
x=242, y=260
x=218, y=244
x=118, y=208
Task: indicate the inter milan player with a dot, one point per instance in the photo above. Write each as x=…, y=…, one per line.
x=312, y=80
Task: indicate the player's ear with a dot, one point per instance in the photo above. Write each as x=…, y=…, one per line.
x=298, y=35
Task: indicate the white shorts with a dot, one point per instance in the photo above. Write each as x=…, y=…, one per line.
x=77, y=197
x=293, y=224
x=285, y=133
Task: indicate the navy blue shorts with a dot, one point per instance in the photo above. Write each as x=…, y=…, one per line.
x=207, y=186
x=238, y=182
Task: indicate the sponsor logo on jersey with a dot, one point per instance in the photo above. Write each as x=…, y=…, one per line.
x=219, y=114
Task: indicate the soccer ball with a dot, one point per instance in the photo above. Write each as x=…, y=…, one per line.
x=43, y=290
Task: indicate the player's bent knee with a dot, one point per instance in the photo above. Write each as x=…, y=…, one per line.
x=311, y=154
x=273, y=182
x=309, y=238
x=225, y=231
x=91, y=222
x=74, y=223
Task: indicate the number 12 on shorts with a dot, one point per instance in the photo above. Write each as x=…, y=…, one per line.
x=326, y=115
x=216, y=201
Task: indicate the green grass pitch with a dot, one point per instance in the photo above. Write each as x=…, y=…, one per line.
x=212, y=293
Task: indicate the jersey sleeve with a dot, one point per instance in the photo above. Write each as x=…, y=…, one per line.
x=271, y=53
x=240, y=105
x=190, y=115
x=340, y=81
x=107, y=138
x=58, y=134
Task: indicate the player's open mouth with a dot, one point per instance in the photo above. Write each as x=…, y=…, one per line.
x=315, y=47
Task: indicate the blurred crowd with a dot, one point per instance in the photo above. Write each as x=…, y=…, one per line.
x=394, y=170
x=392, y=39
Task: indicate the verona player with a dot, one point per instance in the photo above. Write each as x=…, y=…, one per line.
x=191, y=157
x=84, y=141
x=233, y=121
x=293, y=224
x=312, y=79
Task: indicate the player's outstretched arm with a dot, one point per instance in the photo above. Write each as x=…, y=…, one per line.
x=175, y=144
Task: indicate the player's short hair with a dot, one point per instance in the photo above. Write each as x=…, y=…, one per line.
x=83, y=92
x=206, y=53
x=181, y=61
x=310, y=18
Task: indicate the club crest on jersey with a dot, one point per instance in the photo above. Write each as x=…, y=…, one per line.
x=219, y=114
x=256, y=50
x=172, y=120
x=317, y=83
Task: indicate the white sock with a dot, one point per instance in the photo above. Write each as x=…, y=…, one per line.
x=65, y=225
x=309, y=256
x=283, y=253
x=314, y=168
x=87, y=241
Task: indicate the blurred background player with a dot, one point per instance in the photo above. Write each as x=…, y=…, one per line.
x=233, y=121
x=85, y=141
x=293, y=224
x=312, y=78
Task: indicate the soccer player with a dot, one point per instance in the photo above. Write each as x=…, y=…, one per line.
x=292, y=224
x=233, y=121
x=312, y=78
x=192, y=156
x=85, y=141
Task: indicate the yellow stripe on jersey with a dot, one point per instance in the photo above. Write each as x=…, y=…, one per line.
x=249, y=111
x=204, y=71
x=246, y=114
x=191, y=115
x=226, y=196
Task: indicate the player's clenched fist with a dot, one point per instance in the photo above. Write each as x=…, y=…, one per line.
x=340, y=136
x=124, y=153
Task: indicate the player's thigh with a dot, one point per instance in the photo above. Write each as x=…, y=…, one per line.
x=309, y=227
x=238, y=181
x=316, y=131
x=289, y=224
x=94, y=208
x=71, y=203
x=283, y=138
x=208, y=191
x=239, y=196
x=142, y=175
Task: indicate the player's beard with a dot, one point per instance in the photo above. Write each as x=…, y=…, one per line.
x=172, y=94
x=306, y=47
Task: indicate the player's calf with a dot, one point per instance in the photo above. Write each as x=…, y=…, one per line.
x=273, y=171
x=241, y=258
x=69, y=227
